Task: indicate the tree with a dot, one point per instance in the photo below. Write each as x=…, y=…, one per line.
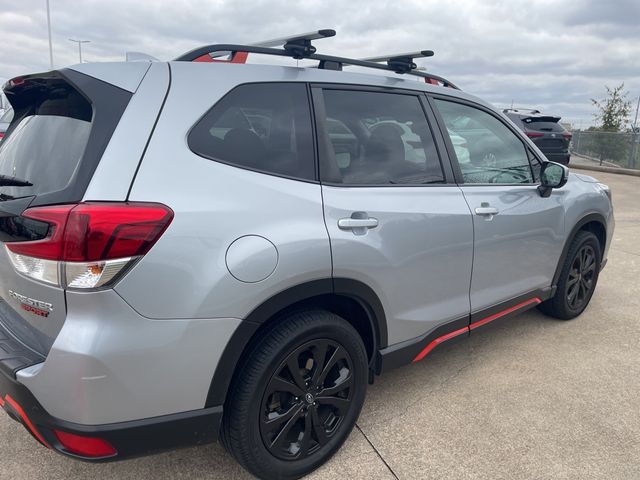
x=612, y=117
x=614, y=110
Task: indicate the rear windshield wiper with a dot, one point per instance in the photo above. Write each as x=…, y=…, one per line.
x=6, y=181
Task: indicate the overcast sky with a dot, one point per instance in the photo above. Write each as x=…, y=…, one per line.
x=548, y=54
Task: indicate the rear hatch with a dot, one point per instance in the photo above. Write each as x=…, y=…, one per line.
x=548, y=135
x=62, y=123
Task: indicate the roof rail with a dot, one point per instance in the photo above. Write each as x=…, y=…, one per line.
x=307, y=51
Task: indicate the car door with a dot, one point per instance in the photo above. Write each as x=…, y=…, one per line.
x=518, y=233
x=396, y=220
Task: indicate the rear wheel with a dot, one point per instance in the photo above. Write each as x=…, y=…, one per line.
x=297, y=397
x=578, y=278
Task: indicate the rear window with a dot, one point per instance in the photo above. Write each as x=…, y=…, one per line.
x=45, y=148
x=262, y=126
x=63, y=121
x=542, y=126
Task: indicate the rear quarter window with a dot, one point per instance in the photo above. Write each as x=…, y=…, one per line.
x=264, y=127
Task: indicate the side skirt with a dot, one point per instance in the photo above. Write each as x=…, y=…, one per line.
x=414, y=350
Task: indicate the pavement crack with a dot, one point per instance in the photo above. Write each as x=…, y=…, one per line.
x=377, y=452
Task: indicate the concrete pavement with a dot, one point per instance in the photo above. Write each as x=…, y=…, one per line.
x=531, y=398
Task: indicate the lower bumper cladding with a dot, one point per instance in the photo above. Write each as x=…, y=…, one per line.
x=100, y=443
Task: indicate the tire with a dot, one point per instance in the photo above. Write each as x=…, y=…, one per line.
x=578, y=278
x=276, y=425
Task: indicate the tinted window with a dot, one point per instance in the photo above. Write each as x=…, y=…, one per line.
x=265, y=127
x=486, y=149
x=46, y=148
x=378, y=139
x=542, y=126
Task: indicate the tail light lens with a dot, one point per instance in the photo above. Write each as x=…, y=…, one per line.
x=566, y=136
x=89, y=244
x=534, y=135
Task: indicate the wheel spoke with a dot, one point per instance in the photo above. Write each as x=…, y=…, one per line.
x=273, y=424
x=337, y=354
x=305, y=441
x=572, y=280
x=340, y=403
x=294, y=369
x=279, y=384
x=319, y=356
x=318, y=427
x=338, y=387
x=282, y=435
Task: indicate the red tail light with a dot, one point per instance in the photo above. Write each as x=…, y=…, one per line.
x=89, y=447
x=86, y=238
x=567, y=136
x=534, y=135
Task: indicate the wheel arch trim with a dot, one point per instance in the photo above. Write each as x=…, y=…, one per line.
x=589, y=218
x=241, y=339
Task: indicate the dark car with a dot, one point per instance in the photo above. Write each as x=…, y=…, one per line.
x=5, y=120
x=545, y=131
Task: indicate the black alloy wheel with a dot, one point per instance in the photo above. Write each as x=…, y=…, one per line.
x=306, y=399
x=582, y=274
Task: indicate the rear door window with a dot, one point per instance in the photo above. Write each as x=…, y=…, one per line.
x=264, y=127
x=378, y=138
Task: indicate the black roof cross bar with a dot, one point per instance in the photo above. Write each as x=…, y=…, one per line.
x=328, y=62
x=401, y=62
x=298, y=45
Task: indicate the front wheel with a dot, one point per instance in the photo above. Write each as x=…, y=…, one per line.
x=297, y=397
x=578, y=278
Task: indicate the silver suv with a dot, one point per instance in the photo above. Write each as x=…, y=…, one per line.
x=207, y=249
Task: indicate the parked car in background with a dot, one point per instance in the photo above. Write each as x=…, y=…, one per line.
x=5, y=120
x=545, y=131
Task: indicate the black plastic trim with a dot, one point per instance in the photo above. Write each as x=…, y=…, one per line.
x=542, y=294
x=130, y=439
x=241, y=338
x=591, y=217
x=404, y=353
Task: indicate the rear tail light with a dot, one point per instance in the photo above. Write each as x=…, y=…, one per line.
x=566, y=136
x=88, y=447
x=89, y=244
x=534, y=135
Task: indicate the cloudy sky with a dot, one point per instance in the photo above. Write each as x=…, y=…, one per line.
x=546, y=54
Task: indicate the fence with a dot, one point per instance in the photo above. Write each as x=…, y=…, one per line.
x=613, y=148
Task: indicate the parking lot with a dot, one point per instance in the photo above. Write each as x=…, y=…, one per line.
x=528, y=398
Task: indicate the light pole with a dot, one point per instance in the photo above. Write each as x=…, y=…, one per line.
x=49, y=29
x=79, y=42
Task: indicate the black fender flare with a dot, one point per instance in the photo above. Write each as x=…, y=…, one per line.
x=591, y=217
x=232, y=354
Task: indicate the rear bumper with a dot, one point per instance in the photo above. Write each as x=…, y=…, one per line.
x=138, y=385
x=130, y=439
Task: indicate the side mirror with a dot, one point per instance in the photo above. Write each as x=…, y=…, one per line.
x=552, y=175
